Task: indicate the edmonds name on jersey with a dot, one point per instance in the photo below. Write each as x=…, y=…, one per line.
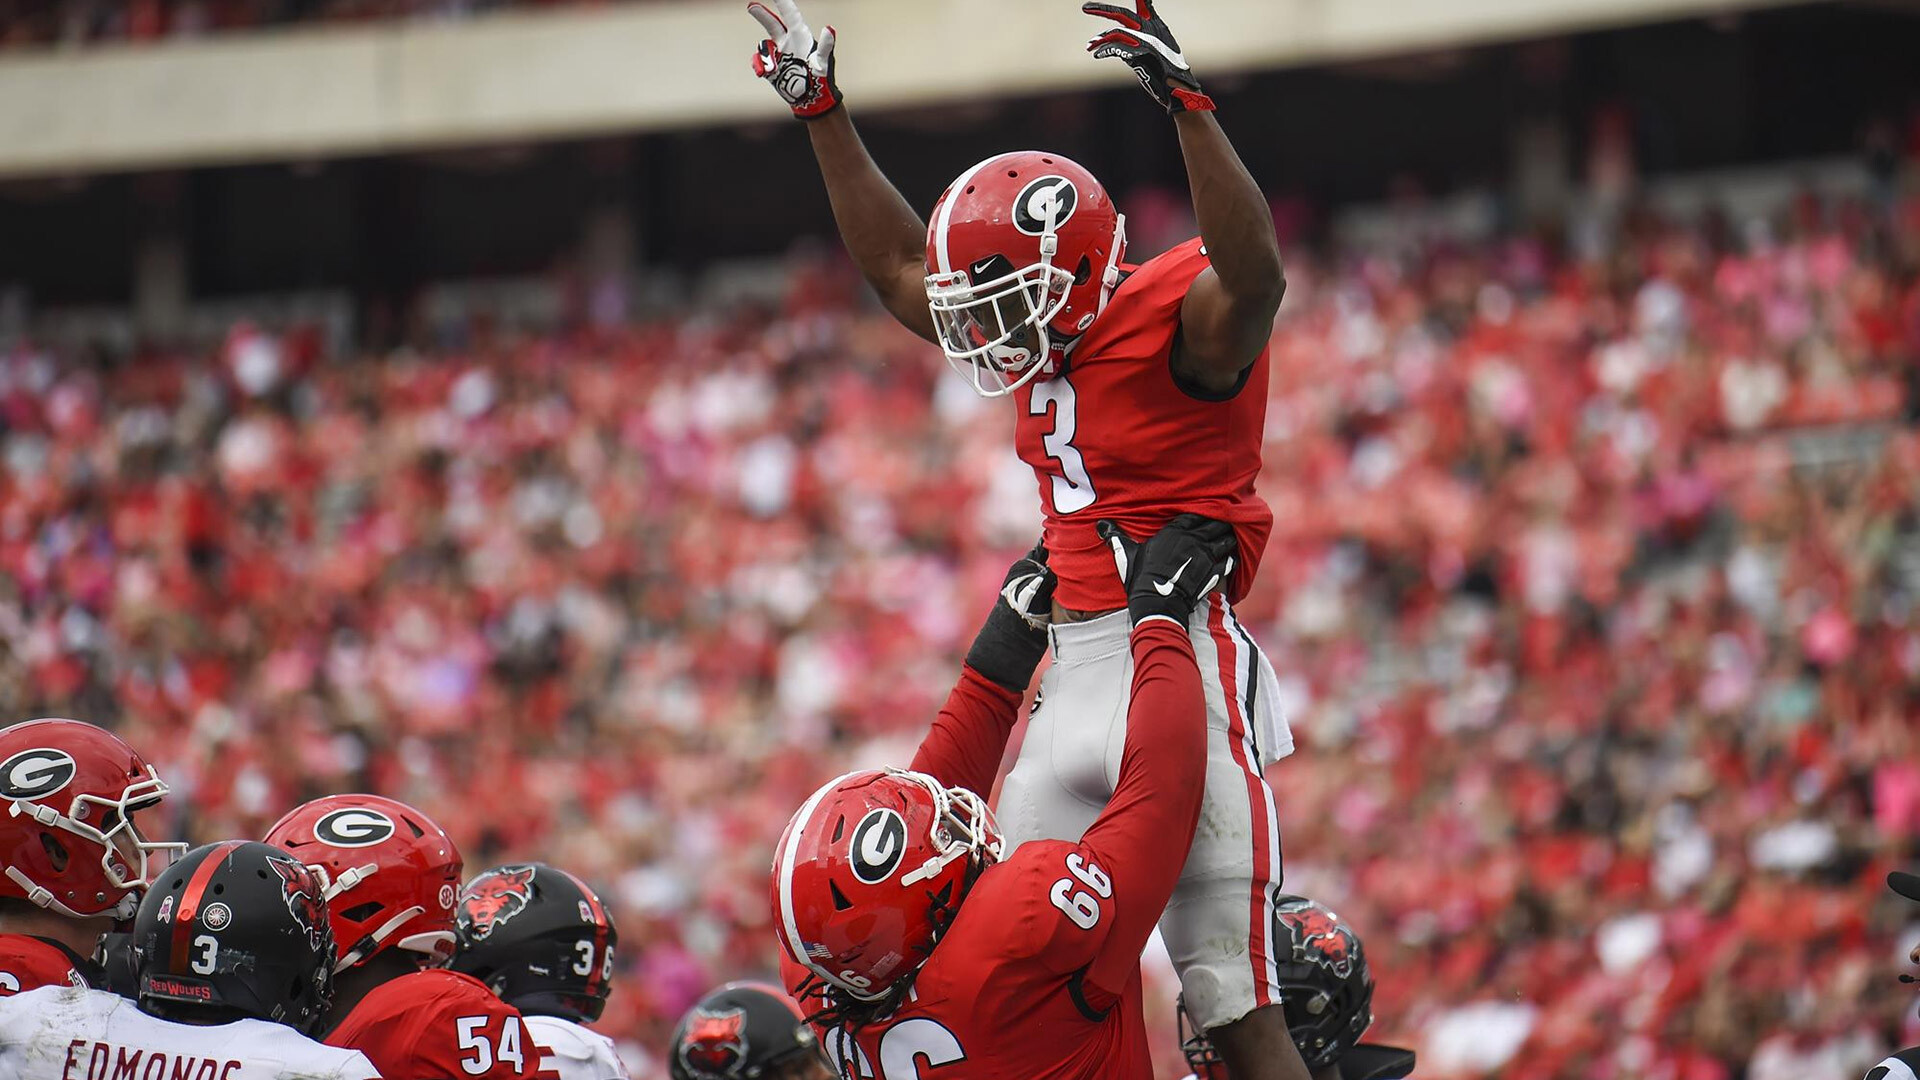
x=73, y=1033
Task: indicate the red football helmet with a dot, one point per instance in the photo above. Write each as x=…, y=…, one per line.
x=1023, y=251
x=870, y=871
x=392, y=875
x=68, y=839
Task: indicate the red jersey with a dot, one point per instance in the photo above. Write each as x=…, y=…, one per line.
x=438, y=1025
x=1115, y=437
x=28, y=963
x=1039, y=975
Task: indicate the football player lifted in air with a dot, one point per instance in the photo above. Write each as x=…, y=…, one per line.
x=234, y=960
x=1904, y=1065
x=918, y=940
x=72, y=860
x=1140, y=393
x=1327, y=994
x=392, y=879
x=745, y=1031
x=541, y=939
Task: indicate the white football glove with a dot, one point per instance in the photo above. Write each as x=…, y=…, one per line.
x=799, y=67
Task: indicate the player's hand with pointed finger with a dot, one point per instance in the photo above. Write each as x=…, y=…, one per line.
x=1147, y=46
x=798, y=66
x=1171, y=572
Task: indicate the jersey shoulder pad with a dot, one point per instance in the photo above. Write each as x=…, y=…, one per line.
x=265, y=1041
x=1145, y=309
x=438, y=1023
x=1173, y=269
x=582, y=1051
x=1904, y=1065
x=28, y=963
x=1054, y=902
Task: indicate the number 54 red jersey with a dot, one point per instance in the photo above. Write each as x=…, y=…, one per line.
x=440, y=1025
x=1116, y=437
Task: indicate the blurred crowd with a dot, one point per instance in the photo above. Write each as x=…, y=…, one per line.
x=1594, y=598
x=80, y=22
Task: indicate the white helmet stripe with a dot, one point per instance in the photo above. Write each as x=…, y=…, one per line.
x=786, y=857
x=944, y=219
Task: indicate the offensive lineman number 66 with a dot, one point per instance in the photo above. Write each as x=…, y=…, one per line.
x=1084, y=910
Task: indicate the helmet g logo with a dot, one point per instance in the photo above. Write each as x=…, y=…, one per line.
x=879, y=842
x=1045, y=205
x=35, y=774
x=353, y=827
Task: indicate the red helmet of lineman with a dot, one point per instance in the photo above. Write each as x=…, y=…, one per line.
x=871, y=870
x=67, y=835
x=1023, y=251
x=393, y=876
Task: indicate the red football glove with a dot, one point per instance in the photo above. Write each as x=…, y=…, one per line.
x=1147, y=46
x=799, y=67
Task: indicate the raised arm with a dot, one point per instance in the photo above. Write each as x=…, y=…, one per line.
x=1227, y=316
x=883, y=234
x=964, y=746
x=1140, y=841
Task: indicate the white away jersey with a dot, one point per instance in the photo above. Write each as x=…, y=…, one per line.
x=72, y=1033
x=572, y=1052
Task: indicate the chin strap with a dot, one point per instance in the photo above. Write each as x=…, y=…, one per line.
x=44, y=898
x=1110, y=277
x=368, y=945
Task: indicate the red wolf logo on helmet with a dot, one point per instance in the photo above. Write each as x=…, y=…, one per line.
x=494, y=898
x=715, y=1043
x=300, y=888
x=1319, y=937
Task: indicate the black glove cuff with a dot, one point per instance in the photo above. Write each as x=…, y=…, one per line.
x=1006, y=650
x=1177, y=608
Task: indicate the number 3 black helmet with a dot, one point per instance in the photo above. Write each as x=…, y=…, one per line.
x=235, y=930
x=539, y=938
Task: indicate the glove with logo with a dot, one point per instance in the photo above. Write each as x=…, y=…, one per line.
x=1147, y=46
x=799, y=67
x=1014, y=637
x=1168, y=576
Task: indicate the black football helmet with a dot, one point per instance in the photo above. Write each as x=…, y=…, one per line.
x=744, y=1031
x=235, y=930
x=539, y=938
x=1325, y=989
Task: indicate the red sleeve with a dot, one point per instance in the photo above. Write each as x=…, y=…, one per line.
x=1091, y=906
x=29, y=964
x=969, y=737
x=1140, y=840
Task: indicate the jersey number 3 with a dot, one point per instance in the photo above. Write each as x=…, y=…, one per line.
x=1072, y=487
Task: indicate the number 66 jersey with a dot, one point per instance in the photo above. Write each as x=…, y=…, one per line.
x=1005, y=994
x=1038, y=976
